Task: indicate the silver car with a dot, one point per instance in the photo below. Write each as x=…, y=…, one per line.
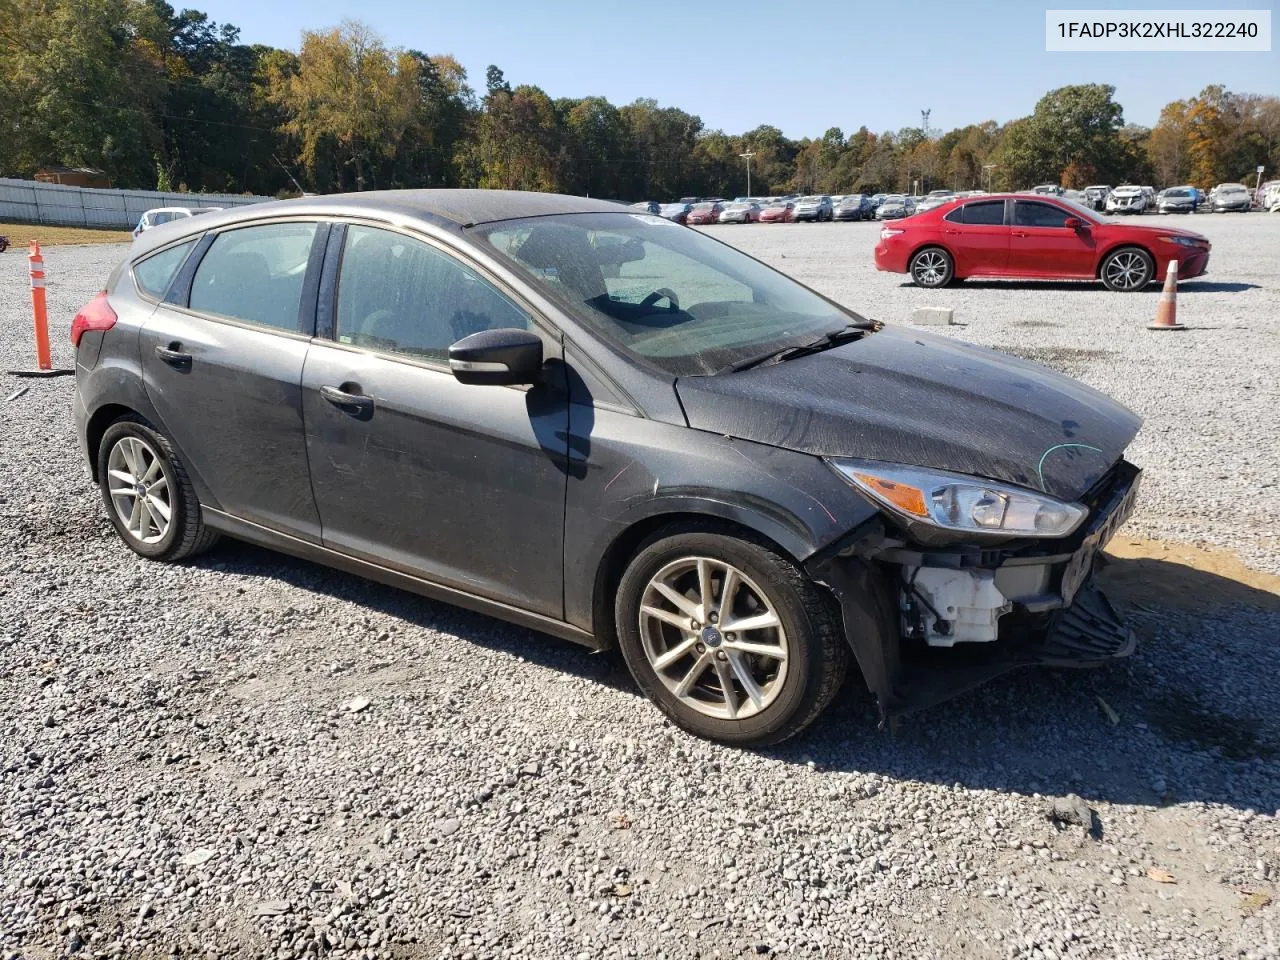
x=1232, y=198
x=1177, y=200
x=895, y=207
x=815, y=208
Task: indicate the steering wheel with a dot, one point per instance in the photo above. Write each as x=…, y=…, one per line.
x=663, y=293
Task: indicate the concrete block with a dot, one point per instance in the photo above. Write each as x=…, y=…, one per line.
x=933, y=316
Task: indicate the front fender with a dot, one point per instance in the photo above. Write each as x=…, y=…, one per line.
x=626, y=471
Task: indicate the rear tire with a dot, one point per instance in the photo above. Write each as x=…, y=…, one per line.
x=780, y=673
x=148, y=495
x=931, y=267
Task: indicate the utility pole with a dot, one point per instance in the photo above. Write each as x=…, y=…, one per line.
x=747, y=157
x=986, y=169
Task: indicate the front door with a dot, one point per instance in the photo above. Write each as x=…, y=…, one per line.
x=463, y=485
x=223, y=369
x=1041, y=245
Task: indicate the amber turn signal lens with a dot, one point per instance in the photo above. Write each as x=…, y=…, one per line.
x=905, y=498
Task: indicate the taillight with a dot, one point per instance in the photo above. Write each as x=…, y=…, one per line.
x=94, y=315
x=887, y=232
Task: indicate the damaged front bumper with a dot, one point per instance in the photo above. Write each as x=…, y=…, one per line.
x=926, y=624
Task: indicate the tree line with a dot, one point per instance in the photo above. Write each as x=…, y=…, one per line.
x=167, y=99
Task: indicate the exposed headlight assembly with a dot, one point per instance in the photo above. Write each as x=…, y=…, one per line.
x=953, y=501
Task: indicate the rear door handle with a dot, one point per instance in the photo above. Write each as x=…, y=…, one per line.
x=173, y=355
x=351, y=402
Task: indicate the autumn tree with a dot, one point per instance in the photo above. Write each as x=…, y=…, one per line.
x=351, y=102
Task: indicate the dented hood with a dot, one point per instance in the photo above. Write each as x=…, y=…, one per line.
x=924, y=400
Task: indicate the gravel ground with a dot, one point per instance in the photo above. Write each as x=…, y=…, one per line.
x=253, y=756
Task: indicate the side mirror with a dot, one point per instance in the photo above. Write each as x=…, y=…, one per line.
x=1074, y=223
x=497, y=358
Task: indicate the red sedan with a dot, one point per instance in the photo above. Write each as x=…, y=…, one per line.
x=1034, y=237
x=703, y=213
x=778, y=213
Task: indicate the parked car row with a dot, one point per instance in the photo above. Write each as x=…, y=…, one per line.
x=1101, y=198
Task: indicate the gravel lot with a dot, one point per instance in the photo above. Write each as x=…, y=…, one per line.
x=253, y=756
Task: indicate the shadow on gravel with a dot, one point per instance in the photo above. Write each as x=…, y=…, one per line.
x=1198, y=704
x=251, y=561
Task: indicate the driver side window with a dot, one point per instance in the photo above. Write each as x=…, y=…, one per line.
x=400, y=295
x=1032, y=214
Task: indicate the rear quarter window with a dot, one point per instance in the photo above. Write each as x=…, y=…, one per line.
x=154, y=274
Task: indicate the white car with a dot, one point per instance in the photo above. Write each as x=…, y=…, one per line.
x=1271, y=198
x=1128, y=200
x=159, y=215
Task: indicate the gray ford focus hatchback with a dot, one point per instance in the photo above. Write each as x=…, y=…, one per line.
x=599, y=424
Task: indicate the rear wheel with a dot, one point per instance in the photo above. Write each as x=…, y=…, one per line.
x=148, y=495
x=728, y=637
x=1127, y=269
x=932, y=267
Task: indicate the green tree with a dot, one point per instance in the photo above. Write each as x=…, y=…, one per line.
x=82, y=85
x=1071, y=125
x=350, y=102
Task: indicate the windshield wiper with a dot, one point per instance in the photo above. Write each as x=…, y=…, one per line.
x=850, y=331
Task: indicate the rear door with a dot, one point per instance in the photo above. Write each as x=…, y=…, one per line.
x=461, y=484
x=978, y=238
x=1041, y=245
x=222, y=362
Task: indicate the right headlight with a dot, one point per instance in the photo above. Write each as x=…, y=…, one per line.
x=953, y=501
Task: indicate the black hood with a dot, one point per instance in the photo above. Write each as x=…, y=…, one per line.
x=924, y=400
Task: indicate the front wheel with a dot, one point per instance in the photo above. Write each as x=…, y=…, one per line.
x=932, y=267
x=1127, y=269
x=728, y=637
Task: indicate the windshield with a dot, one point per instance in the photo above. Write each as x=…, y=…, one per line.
x=1232, y=190
x=674, y=297
x=812, y=200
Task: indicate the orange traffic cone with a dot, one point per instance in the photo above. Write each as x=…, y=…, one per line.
x=1167, y=308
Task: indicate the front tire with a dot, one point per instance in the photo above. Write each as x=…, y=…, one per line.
x=728, y=637
x=1127, y=270
x=149, y=497
x=931, y=267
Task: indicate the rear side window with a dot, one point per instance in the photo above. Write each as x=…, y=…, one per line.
x=155, y=273
x=989, y=213
x=1038, y=215
x=255, y=274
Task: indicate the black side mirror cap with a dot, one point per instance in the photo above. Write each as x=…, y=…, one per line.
x=503, y=357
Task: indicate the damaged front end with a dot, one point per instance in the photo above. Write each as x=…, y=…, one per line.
x=930, y=612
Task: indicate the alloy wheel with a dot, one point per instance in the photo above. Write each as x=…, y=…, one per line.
x=140, y=490
x=1127, y=270
x=930, y=268
x=713, y=638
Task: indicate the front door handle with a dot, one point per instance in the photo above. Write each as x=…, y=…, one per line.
x=354, y=403
x=1019, y=233
x=173, y=355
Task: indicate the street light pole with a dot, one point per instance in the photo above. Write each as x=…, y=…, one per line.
x=747, y=157
x=987, y=168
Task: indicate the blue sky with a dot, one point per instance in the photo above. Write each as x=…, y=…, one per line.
x=801, y=68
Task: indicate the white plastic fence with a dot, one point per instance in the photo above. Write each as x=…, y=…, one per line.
x=58, y=205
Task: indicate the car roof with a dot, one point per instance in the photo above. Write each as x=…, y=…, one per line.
x=447, y=208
